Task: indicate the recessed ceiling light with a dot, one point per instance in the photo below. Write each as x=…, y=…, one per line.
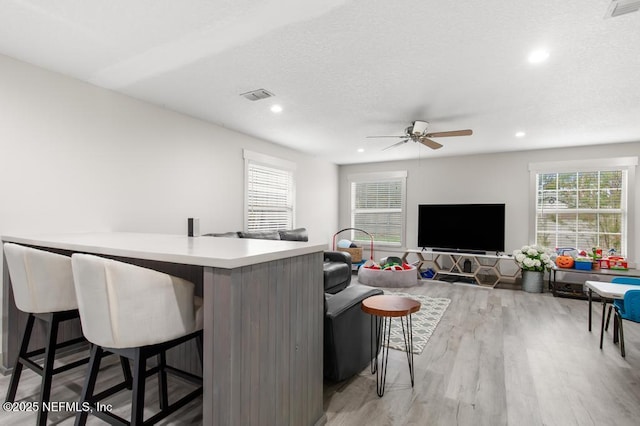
x=520, y=134
x=276, y=109
x=538, y=56
x=360, y=149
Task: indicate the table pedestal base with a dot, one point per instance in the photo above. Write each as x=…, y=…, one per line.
x=381, y=326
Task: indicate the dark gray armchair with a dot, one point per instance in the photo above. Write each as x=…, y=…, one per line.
x=347, y=332
x=337, y=271
x=347, y=329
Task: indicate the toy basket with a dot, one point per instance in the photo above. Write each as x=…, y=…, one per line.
x=355, y=252
x=388, y=278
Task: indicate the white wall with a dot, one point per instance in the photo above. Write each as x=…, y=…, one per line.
x=74, y=157
x=492, y=178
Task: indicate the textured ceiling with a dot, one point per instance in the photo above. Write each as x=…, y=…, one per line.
x=344, y=69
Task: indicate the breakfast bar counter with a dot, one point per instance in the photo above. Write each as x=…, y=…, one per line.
x=263, y=316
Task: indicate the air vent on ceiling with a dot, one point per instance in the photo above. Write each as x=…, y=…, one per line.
x=622, y=7
x=256, y=95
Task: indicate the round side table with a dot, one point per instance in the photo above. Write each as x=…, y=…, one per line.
x=382, y=309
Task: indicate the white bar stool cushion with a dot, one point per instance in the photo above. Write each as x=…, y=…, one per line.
x=42, y=289
x=123, y=306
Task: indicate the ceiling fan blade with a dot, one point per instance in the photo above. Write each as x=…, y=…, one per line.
x=467, y=132
x=395, y=144
x=387, y=136
x=431, y=144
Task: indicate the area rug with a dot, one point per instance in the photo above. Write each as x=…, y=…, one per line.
x=424, y=321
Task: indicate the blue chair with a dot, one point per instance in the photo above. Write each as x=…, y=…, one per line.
x=630, y=311
x=619, y=302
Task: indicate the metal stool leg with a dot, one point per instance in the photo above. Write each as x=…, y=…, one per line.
x=408, y=343
x=620, y=331
x=375, y=344
x=383, y=326
x=604, y=311
x=590, y=300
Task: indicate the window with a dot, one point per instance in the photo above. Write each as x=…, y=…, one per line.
x=269, y=193
x=378, y=207
x=583, y=204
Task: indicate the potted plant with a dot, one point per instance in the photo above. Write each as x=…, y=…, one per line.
x=533, y=260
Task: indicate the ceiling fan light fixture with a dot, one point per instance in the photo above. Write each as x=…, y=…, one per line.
x=419, y=127
x=417, y=132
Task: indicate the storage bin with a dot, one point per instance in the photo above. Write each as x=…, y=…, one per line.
x=355, y=252
x=583, y=265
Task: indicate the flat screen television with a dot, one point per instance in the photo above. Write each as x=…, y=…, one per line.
x=467, y=228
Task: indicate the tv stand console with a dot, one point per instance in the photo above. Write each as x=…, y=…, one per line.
x=483, y=269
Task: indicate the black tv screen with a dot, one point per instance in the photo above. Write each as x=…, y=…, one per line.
x=470, y=228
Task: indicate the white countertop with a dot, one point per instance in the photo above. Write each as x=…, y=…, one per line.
x=610, y=290
x=227, y=253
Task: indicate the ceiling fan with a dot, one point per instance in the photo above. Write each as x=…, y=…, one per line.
x=417, y=132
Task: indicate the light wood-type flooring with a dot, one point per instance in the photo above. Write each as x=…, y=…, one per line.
x=502, y=357
x=497, y=357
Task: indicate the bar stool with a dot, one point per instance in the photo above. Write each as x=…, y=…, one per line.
x=42, y=284
x=137, y=313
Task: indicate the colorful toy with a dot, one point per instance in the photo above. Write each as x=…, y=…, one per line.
x=596, y=253
x=564, y=261
x=352, y=248
x=618, y=262
x=344, y=244
x=390, y=272
x=392, y=268
x=571, y=251
x=388, y=264
x=583, y=263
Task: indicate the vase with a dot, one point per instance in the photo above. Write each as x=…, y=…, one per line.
x=532, y=281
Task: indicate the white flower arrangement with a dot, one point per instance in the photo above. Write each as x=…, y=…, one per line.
x=533, y=258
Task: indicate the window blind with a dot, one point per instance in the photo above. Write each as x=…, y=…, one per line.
x=269, y=198
x=582, y=209
x=378, y=207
